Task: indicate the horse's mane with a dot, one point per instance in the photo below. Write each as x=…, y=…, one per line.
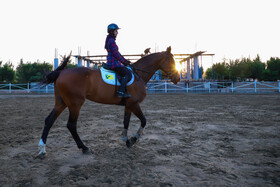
x=148, y=58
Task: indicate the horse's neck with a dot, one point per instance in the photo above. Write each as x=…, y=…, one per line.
x=148, y=65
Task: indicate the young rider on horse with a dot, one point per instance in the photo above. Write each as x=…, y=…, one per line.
x=115, y=60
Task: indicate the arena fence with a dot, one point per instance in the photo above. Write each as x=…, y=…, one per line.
x=33, y=87
x=165, y=86
x=213, y=87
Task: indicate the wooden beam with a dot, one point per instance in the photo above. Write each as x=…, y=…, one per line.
x=181, y=57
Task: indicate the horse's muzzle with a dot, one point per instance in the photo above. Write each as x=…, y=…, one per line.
x=175, y=78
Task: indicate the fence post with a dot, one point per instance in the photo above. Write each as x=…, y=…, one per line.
x=10, y=87
x=232, y=87
x=188, y=88
x=28, y=87
x=209, y=87
x=46, y=88
x=279, y=86
x=165, y=86
x=255, y=86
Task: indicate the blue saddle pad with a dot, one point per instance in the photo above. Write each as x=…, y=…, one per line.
x=109, y=77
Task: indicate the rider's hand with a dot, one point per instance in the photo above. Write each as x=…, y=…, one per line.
x=132, y=66
x=127, y=63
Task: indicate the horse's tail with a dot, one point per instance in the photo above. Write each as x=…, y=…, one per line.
x=52, y=76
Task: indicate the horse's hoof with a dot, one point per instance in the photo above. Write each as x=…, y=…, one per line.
x=87, y=151
x=124, y=138
x=131, y=142
x=128, y=143
x=41, y=156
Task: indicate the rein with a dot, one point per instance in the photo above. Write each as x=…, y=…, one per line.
x=137, y=69
x=170, y=73
x=134, y=68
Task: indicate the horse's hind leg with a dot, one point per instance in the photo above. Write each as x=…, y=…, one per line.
x=138, y=113
x=127, y=115
x=49, y=121
x=72, y=126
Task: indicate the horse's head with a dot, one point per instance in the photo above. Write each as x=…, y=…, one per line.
x=168, y=66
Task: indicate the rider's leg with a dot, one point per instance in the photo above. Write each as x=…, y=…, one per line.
x=126, y=75
x=121, y=92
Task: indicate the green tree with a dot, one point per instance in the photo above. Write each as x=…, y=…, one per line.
x=7, y=74
x=240, y=68
x=233, y=69
x=70, y=65
x=272, y=72
x=220, y=71
x=257, y=69
x=32, y=72
x=208, y=73
x=243, y=68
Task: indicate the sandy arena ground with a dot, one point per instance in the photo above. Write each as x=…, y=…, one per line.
x=189, y=140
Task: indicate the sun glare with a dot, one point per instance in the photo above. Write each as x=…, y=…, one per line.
x=178, y=66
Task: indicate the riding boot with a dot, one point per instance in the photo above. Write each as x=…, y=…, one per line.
x=121, y=92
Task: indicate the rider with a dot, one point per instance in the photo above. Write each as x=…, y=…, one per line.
x=115, y=60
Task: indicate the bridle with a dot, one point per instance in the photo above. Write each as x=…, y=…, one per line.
x=144, y=71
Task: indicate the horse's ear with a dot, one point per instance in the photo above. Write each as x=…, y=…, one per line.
x=168, y=49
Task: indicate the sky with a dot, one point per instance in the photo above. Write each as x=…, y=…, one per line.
x=231, y=29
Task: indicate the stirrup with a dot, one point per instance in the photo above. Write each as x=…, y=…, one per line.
x=123, y=95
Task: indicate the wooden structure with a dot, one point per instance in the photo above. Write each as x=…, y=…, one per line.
x=191, y=62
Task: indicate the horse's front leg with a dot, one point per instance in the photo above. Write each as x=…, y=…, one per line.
x=138, y=113
x=127, y=114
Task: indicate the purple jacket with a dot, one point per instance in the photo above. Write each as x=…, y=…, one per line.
x=114, y=58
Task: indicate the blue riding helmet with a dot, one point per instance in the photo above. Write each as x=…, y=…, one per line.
x=111, y=27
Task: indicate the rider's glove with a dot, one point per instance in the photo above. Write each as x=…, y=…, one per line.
x=127, y=63
x=132, y=66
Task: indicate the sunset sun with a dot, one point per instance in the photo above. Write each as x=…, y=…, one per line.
x=178, y=66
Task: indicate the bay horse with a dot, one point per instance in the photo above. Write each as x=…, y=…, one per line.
x=73, y=86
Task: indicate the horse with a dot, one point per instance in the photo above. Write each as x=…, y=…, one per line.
x=74, y=85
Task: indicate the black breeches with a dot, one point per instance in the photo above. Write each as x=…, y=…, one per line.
x=123, y=72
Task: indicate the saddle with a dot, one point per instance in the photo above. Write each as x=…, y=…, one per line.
x=110, y=77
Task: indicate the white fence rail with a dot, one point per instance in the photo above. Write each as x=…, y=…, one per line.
x=166, y=87
x=26, y=88
x=213, y=87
